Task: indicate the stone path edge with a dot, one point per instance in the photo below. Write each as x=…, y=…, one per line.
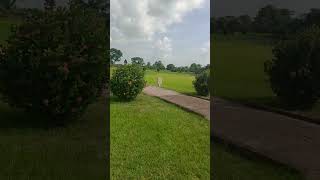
x=181, y=107
x=246, y=151
x=274, y=110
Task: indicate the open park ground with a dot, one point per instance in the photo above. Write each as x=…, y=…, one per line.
x=239, y=71
x=149, y=138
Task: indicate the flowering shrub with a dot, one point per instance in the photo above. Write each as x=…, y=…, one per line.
x=127, y=82
x=56, y=62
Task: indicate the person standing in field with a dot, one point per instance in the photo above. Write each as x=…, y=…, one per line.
x=159, y=81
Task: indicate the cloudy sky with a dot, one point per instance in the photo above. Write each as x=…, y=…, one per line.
x=173, y=31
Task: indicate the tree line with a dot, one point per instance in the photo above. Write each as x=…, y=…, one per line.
x=269, y=19
x=116, y=55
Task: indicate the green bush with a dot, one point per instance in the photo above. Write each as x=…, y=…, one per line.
x=56, y=62
x=127, y=82
x=201, y=83
x=294, y=72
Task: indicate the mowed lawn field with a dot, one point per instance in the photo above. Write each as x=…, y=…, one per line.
x=239, y=72
x=229, y=164
x=5, y=25
x=30, y=149
x=180, y=82
x=152, y=139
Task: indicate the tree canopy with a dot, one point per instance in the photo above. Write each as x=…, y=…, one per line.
x=115, y=55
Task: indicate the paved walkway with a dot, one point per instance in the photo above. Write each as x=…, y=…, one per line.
x=190, y=103
x=287, y=140
x=281, y=138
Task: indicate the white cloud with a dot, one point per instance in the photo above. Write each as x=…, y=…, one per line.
x=142, y=19
x=205, y=53
x=163, y=46
x=144, y=28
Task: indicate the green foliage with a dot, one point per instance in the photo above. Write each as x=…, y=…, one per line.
x=115, y=55
x=148, y=66
x=137, y=61
x=201, y=83
x=127, y=82
x=55, y=62
x=49, y=4
x=195, y=68
x=7, y=4
x=294, y=72
x=171, y=67
x=158, y=65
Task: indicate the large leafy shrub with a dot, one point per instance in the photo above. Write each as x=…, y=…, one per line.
x=294, y=72
x=127, y=82
x=201, y=83
x=56, y=62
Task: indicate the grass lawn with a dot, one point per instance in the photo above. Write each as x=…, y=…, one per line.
x=239, y=72
x=151, y=139
x=4, y=29
x=30, y=150
x=180, y=82
x=228, y=164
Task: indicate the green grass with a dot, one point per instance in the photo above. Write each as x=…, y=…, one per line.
x=238, y=69
x=5, y=25
x=180, y=82
x=228, y=164
x=152, y=139
x=239, y=72
x=31, y=150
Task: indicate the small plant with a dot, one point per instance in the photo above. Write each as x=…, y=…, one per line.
x=201, y=83
x=294, y=72
x=127, y=82
x=55, y=62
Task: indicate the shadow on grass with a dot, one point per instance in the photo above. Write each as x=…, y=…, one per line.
x=221, y=145
x=13, y=118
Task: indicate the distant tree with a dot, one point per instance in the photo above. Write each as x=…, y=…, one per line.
x=273, y=20
x=49, y=4
x=221, y=25
x=137, y=60
x=312, y=18
x=115, y=55
x=264, y=19
x=125, y=62
x=195, y=68
x=171, y=67
x=7, y=4
x=233, y=24
x=158, y=66
x=148, y=66
x=245, y=23
x=101, y=5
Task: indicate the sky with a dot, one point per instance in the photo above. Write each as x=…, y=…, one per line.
x=250, y=7
x=173, y=31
